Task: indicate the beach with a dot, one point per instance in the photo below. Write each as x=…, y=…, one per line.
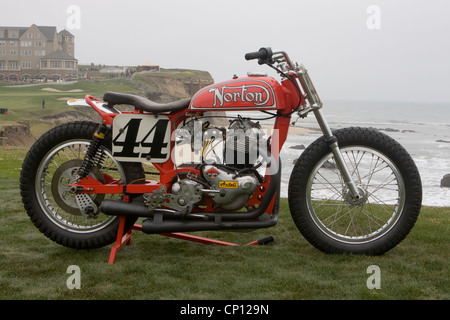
x=424, y=131
x=425, y=135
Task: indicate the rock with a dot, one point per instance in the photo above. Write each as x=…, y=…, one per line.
x=445, y=182
x=72, y=115
x=298, y=147
x=16, y=135
x=329, y=165
x=389, y=130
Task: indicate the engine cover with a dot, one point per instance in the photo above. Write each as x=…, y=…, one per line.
x=234, y=191
x=243, y=143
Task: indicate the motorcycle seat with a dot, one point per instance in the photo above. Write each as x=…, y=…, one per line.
x=141, y=103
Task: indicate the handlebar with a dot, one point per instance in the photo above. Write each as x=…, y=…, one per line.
x=290, y=70
x=266, y=55
x=263, y=55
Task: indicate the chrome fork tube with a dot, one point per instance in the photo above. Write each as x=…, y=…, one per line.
x=333, y=143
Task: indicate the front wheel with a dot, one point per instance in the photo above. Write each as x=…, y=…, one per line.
x=389, y=183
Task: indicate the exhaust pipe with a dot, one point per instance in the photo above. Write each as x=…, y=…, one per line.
x=135, y=210
x=169, y=221
x=150, y=226
x=157, y=225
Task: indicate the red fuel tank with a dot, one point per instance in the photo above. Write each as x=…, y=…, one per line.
x=247, y=93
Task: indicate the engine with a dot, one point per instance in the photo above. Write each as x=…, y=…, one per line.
x=243, y=143
x=233, y=190
x=227, y=158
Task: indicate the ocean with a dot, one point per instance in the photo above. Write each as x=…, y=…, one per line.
x=424, y=130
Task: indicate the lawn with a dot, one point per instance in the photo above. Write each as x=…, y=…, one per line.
x=157, y=267
x=31, y=103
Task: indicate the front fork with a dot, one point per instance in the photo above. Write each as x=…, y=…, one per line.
x=333, y=143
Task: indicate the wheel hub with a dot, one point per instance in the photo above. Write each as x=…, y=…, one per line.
x=356, y=201
x=63, y=194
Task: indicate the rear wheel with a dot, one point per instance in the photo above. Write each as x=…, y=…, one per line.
x=51, y=166
x=387, y=179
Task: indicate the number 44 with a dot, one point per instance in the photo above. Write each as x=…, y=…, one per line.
x=138, y=137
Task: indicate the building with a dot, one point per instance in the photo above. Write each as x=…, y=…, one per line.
x=37, y=53
x=148, y=67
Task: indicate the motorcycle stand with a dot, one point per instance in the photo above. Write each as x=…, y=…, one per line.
x=125, y=239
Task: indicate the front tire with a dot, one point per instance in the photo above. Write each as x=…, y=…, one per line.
x=50, y=166
x=326, y=214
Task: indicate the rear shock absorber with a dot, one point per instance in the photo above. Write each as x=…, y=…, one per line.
x=91, y=158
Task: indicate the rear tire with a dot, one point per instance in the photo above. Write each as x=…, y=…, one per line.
x=323, y=209
x=46, y=172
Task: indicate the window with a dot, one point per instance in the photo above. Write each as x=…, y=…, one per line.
x=26, y=52
x=13, y=52
x=13, y=43
x=26, y=43
x=13, y=34
x=13, y=65
x=39, y=44
x=2, y=65
x=2, y=43
x=2, y=52
x=39, y=53
x=26, y=65
x=55, y=64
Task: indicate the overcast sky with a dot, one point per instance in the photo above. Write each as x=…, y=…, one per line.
x=377, y=50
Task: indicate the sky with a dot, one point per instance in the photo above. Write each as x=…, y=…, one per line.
x=359, y=50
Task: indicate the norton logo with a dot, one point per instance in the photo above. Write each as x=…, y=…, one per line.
x=254, y=94
x=228, y=184
x=212, y=173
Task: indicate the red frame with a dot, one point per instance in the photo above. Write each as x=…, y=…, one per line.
x=287, y=95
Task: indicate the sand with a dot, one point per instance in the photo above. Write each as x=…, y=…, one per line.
x=294, y=130
x=56, y=90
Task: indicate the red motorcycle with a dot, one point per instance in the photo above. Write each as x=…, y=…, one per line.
x=353, y=190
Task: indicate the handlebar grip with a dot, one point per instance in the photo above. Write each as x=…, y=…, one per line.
x=262, y=54
x=252, y=55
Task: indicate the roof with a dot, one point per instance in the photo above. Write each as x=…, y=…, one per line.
x=48, y=32
x=58, y=55
x=65, y=33
x=149, y=64
x=21, y=30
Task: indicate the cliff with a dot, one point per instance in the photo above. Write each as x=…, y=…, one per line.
x=171, y=84
x=162, y=87
x=15, y=134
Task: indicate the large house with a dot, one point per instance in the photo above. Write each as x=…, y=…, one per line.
x=37, y=53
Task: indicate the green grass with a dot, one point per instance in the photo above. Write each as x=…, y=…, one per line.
x=25, y=103
x=157, y=267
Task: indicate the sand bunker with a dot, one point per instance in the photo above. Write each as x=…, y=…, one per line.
x=56, y=90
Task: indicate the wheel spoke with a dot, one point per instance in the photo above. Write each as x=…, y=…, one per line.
x=57, y=171
x=361, y=220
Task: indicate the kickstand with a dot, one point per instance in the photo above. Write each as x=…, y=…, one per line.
x=124, y=240
x=121, y=239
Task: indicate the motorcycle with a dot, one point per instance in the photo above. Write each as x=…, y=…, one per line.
x=353, y=190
